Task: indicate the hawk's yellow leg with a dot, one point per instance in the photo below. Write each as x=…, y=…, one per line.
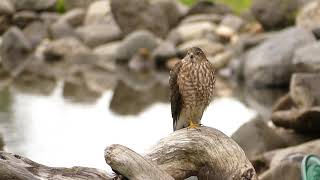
x=193, y=125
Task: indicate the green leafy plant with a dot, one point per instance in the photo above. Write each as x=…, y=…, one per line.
x=237, y=5
x=60, y=6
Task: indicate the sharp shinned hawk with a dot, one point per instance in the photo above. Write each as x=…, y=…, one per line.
x=192, y=83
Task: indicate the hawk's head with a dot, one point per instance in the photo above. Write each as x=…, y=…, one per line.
x=195, y=54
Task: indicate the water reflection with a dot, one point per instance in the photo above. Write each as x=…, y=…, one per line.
x=32, y=84
x=129, y=101
x=5, y=100
x=79, y=93
x=59, y=132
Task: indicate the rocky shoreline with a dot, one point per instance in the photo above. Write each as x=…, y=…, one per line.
x=96, y=44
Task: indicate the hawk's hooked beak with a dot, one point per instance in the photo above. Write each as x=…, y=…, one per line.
x=191, y=56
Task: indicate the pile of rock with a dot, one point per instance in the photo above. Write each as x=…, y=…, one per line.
x=277, y=55
x=84, y=46
x=277, y=147
x=95, y=43
x=299, y=109
x=285, y=58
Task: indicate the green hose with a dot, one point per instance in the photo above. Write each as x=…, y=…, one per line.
x=310, y=168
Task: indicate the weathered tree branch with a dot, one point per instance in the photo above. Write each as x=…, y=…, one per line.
x=204, y=152
x=132, y=165
x=15, y=167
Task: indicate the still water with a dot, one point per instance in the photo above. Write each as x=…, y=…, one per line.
x=55, y=131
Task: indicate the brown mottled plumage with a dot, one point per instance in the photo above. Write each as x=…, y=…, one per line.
x=192, y=87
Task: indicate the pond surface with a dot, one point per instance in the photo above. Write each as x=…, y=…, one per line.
x=57, y=129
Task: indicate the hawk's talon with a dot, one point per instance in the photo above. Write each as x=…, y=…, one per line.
x=194, y=126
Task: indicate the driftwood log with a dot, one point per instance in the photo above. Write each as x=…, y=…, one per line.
x=15, y=167
x=205, y=152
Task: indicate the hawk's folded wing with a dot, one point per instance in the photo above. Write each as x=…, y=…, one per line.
x=175, y=96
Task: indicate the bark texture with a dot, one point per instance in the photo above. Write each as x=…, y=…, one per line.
x=15, y=167
x=204, y=152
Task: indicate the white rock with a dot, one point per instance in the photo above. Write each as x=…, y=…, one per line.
x=97, y=11
x=221, y=60
x=6, y=7
x=225, y=32
x=108, y=49
x=309, y=16
x=195, y=30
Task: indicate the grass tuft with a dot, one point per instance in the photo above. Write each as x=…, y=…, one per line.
x=60, y=6
x=237, y=5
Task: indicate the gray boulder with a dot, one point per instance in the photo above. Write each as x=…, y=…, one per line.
x=5, y=23
x=212, y=18
x=49, y=17
x=107, y=54
x=269, y=64
x=309, y=16
x=133, y=42
x=256, y=137
x=62, y=49
x=207, y=7
x=6, y=7
x=15, y=51
x=35, y=33
x=23, y=18
x=99, y=12
x=34, y=5
x=6, y=11
x=74, y=17
x=307, y=58
x=139, y=14
x=173, y=10
x=72, y=4
x=305, y=89
x=95, y=35
x=194, y=30
x=233, y=22
x=163, y=52
x=157, y=17
x=275, y=13
x=108, y=49
x=61, y=29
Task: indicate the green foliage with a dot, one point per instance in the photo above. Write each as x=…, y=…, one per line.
x=237, y=5
x=188, y=2
x=60, y=6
